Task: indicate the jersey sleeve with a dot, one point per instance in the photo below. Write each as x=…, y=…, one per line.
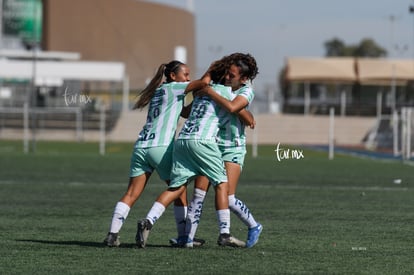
x=246, y=92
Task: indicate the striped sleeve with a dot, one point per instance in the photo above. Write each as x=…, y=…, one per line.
x=163, y=114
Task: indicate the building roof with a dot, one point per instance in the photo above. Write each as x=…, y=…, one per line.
x=384, y=71
x=366, y=71
x=40, y=55
x=51, y=73
x=321, y=69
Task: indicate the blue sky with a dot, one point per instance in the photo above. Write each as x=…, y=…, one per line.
x=272, y=30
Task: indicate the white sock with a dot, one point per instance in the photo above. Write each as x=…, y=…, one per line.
x=120, y=214
x=242, y=211
x=223, y=217
x=195, y=209
x=156, y=212
x=180, y=214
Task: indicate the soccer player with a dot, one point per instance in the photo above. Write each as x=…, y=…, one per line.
x=154, y=146
x=232, y=144
x=196, y=153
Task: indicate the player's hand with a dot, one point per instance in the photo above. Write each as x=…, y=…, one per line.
x=253, y=124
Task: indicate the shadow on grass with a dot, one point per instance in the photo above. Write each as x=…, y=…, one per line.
x=88, y=244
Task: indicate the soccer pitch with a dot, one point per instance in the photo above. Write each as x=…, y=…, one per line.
x=345, y=216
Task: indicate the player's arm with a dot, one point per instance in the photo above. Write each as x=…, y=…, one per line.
x=185, y=112
x=199, y=84
x=234, y=106
x=203, y=82
x=247, y=118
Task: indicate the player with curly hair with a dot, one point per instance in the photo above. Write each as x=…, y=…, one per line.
x=196, y=153
x=241, y=70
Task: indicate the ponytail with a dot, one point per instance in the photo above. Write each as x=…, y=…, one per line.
x=164, y=70
x=146, y=94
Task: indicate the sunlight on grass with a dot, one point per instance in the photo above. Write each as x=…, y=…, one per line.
x=319, y=216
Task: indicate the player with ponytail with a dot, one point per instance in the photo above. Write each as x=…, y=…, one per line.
x=154, y=146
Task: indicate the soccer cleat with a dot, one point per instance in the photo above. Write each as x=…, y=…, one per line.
x=185, y=242
x=229, y=240
x=188, y=244
x=198, y=242
x=112, y=240
x=181, y=242
x=253, y=235
x=143, y=229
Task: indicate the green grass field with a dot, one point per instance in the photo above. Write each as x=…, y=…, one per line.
x=345, y=216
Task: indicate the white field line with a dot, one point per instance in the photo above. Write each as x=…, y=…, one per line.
x=335, y=188
x=269, y=185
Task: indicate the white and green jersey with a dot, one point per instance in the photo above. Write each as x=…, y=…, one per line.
x=232, y=133
x=163, y=114
x=205, y=117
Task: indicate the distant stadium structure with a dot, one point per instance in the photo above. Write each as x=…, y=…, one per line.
x=66, y=59
x=354, y=86
x=139, y=34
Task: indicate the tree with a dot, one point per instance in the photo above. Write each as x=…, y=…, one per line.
x=366, y=48
x=335, y=47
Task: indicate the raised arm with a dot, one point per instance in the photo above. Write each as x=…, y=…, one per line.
x=234, y=106
x=198, y=84
x=214, y=72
